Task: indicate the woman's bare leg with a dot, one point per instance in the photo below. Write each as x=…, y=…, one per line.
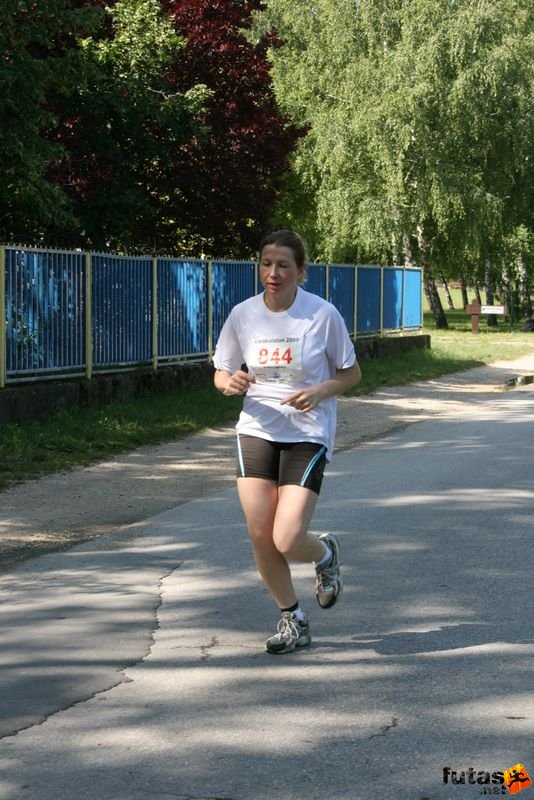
x=294, y=512
x=259, y=501
x=277, y=521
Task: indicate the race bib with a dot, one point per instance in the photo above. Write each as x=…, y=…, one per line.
x=277, y=359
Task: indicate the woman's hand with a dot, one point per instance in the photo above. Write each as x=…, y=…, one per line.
x=235, y=384
x=310, y=396
x=305, y=399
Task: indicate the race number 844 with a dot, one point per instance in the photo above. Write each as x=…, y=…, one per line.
x=276, y=356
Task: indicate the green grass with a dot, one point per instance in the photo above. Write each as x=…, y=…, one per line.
x=83, y=436
x=451, y=350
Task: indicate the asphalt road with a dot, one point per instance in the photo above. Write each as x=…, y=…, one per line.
x=133, y=666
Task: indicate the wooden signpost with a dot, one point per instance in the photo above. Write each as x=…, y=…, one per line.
x=476, y=309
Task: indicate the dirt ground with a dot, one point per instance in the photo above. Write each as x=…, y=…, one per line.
x=58, y=511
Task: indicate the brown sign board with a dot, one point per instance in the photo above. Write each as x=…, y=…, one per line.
x=476, y=309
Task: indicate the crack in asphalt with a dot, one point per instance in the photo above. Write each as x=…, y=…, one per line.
x=205, y=647
x=386, y=728
x=180, y=796
x=121, y=670
x=157, y=609
x=68, y=706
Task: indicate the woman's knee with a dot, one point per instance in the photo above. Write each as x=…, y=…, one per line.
x=261, y=537
x=288, y=542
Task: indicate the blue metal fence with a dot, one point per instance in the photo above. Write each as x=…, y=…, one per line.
x=342, y=293
x=71, y=313
x=121, y=295
x=231, y=283
x=44, y=310
x=182, y=307
x=412, y=307
x=369, y=312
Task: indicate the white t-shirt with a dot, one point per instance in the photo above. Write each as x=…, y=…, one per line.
x=286, y=351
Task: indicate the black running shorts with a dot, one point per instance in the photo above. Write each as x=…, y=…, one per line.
x=296, y=463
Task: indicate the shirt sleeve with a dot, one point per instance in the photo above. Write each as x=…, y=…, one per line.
x=228, y=355
x=339, y=347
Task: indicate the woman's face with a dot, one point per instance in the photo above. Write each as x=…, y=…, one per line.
x=279, y=275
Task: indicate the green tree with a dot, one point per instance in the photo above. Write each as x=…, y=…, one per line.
x=38, y=58
x=224, y=189
x=123, y=129
x=138, y=125
x=420, y=125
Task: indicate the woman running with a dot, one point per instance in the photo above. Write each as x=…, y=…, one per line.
x=289, y=353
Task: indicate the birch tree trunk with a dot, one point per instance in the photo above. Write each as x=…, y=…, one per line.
x=429, y=283
x=525, y=300
x=489, y=287
x=463, y=288
x=445, y=285
x=407, y=251
x=507, y=294
x=395, y=257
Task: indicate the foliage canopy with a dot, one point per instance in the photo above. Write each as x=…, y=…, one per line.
x=420, y=126
x=138, y=125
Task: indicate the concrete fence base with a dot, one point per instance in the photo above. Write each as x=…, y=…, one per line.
x=25, y=402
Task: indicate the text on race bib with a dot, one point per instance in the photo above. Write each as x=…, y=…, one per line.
x=266, y=356
x=276, y=360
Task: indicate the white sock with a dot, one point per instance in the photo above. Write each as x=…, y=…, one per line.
x=297, y=612
x=326, y=558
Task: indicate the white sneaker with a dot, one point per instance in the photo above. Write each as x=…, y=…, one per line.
x=329, y=584
x=291, y=633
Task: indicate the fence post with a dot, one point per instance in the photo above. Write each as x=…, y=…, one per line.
x=355, y=302
x=88, y=317
x=327, y=282
x=422, y=279
x=155, y=353
x=210, y=310
x=382, y=301
x=404, y=283
x=2, y=316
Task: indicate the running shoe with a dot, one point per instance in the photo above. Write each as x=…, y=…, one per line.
x=291, y=633
x=328, y=581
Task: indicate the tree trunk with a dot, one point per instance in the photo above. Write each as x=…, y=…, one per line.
x=507, y=294
x=490, y=292
x=407, y=251
x=525, y=300
x=445, y=285
x=429, y=283
x=463, y=288
x=395, y=257
x=433, y=298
